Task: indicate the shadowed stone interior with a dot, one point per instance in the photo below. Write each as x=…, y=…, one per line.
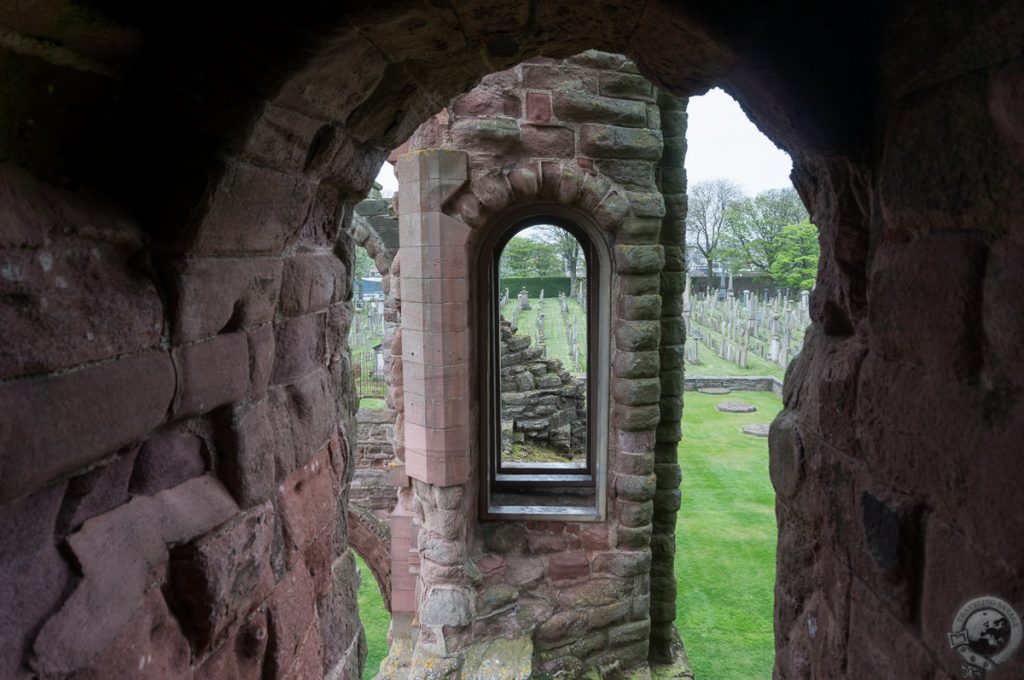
x=176, y=246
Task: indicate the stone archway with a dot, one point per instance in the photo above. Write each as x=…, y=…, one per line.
x=371, y=538
x=241, y=149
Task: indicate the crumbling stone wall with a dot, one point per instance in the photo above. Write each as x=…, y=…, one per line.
x=541, y=403
x=232, y=145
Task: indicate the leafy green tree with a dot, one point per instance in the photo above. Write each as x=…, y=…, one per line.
x=796, y=262
x=525, y=256
x=568, y=249
x=753, y=227
x=363, y=266
x=708, y=203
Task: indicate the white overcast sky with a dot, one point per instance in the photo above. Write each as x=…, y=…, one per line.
x=721, y=142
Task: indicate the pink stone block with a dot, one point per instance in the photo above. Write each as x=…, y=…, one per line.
x=538, y=107
x=435, y=318
x=434, y=262
x=429, y=411
x=433, y=291
x=439, y=349
x=403, y=601
x=397, y=476
x=434, y=441
x=638, y=442
x=418, y=229
x=447, y=471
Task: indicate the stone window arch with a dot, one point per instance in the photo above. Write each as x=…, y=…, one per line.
x=554, y=492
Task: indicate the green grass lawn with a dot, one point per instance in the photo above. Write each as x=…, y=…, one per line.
x=725, y=539
x=725, y=545
x=713, y=365
x=375, y=618
x=556, y=340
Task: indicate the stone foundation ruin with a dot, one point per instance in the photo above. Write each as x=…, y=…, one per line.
x=542, y=405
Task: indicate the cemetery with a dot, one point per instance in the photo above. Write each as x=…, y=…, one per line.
x=743, y=335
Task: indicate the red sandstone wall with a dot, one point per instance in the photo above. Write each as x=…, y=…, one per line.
x=238, y=131
x=173, y=457
x=585, y=132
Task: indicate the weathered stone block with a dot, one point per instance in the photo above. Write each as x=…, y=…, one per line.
x=633, y=418
x=301, y=418
x=307, y=503
x=96, y=492
x=220, y=578
x=298, y=347
x=635, y=364
x=630, y=538
x=252, y=209
x=639, y=259
x=646, y=203
x=609, y=141
x=151, y=645
x=33, y=573
x=290, y=614
x=630, y=174
x=635, y=488
x=637, y=335
x=211, y=373
x=56, y=425
x=559, y=628
x=445, y=607
x=500, y=134
x=627, y=86
x=640, y=307
x=121, y=554
x=165, y=461
x=338, y=627
x=214, y=295
x=240, y=657
x=309, y=283
x=548, y=141
x=635, y=392
x=70, y=302
x=486, y=103
x=583, y=107
x=552, y=77
x=942, y=266
x=261, y=359
x=246, y=444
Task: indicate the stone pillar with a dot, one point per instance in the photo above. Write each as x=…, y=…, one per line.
x=664, y=638
x=436, y=394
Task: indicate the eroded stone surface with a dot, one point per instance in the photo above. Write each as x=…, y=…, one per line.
x=735, y=407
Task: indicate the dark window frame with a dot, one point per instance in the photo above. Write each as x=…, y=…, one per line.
x=535, y=488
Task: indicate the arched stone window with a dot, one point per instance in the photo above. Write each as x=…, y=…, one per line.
x=544, y=414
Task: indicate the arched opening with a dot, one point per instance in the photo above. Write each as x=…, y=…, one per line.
x=543, y=426
x=542, y=348
x=259, y=158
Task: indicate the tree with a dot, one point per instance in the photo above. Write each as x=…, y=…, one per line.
x=753, y=227
x=796, y=262
x=524, y=256
x=705, y=219
x=567, y=248
x=362, y=266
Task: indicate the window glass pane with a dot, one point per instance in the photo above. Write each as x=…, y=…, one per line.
x=542, y=342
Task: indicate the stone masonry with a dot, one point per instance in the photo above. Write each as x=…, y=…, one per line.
x=579, y=594
x=177, y=191
x=541, y=404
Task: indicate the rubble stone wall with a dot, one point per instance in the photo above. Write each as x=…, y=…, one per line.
x=541, y=403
